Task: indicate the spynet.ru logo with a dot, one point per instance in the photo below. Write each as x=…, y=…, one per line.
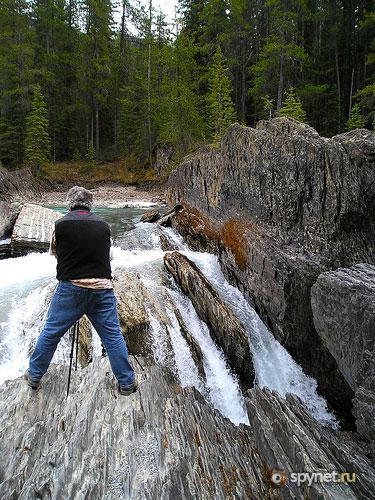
x=278, y=477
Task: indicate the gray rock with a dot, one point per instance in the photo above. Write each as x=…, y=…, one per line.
x=162, y=442
x=151, y=216
x=5, y=249
x=18, y=185
x=343, y=304
x=8, y=215
x=166, y=243
x=166, y=220
x=33, y=229
x=280, y=205
x=288, y=439
x=131, y=296
x=225, y=328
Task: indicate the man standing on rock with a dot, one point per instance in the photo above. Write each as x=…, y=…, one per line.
x=81, y=243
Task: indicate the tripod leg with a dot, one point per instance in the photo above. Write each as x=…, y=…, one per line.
x=71, y=360
x=77, y=343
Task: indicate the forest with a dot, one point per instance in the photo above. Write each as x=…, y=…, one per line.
x=98, y=80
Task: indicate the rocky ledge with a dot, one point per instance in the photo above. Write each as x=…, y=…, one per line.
x=280, y=205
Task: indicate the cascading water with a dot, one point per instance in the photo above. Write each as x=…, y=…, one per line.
x=27, y=282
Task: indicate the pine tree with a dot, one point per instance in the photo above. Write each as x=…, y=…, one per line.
x=268, y=105
x=220, y=106
x=356, y=119
x=292, y=107
x=37, y=139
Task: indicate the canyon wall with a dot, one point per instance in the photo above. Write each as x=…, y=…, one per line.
x=280, y=205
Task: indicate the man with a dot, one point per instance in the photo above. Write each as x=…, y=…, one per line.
x=81, y=243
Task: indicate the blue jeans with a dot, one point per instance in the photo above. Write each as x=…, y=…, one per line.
x=69, y=303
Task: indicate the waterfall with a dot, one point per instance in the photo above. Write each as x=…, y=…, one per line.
x=27, y=283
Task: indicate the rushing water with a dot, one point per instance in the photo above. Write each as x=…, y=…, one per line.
x=27, y=282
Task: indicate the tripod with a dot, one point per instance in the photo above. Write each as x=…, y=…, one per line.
x=75, y=338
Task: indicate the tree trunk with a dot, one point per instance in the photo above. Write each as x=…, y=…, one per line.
x=351, y=95
x=338, y=85
x=280, y=90
x=97, y=149
x=149, y=87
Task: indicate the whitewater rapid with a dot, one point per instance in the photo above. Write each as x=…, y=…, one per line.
x=27, y=282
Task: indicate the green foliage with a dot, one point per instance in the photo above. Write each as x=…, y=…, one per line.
x=37, y=139
x=94, y=72
x=268, y=105
x=90, y=156
x=292, y=107
x=220, y=106
x=356, y=119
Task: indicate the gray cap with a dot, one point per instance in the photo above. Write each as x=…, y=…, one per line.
x=79, y=197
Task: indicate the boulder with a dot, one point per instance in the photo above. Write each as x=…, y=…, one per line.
x=151, y=216
x=8, y=215
x=162, y=442
x=33, y=229
x=343, y=304
x=225, y=327
x=131, y=296
x=166, y=243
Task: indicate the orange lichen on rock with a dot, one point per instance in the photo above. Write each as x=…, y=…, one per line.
x=233, y=237
x=232, y=234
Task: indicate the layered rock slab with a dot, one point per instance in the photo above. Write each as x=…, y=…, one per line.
x=291, y=441
x=225, y=327
x=162, y=442
x=33, y=229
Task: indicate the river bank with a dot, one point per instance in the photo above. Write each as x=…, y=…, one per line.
x=107, y=195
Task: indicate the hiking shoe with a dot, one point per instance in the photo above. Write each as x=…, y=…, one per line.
x=126, y=391
x=34, y=384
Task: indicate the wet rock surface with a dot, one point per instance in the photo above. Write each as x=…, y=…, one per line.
x=224, y=326
x=33, y=229
x=280, y=205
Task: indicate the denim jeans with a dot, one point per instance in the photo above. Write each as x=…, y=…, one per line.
x=69, y=303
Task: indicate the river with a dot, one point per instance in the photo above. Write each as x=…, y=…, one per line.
x=26, y=283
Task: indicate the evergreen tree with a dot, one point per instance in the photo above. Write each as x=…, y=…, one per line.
x=220, y=106
x=16, y=76
x=356, y=119
x=37, y=139
x=292, y=107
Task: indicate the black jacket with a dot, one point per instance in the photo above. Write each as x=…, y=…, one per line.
x=83, y=243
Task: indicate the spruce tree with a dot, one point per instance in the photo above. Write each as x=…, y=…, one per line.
x=356, y=119
x=37, y=140
x=220, y=106
x=292, y=107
